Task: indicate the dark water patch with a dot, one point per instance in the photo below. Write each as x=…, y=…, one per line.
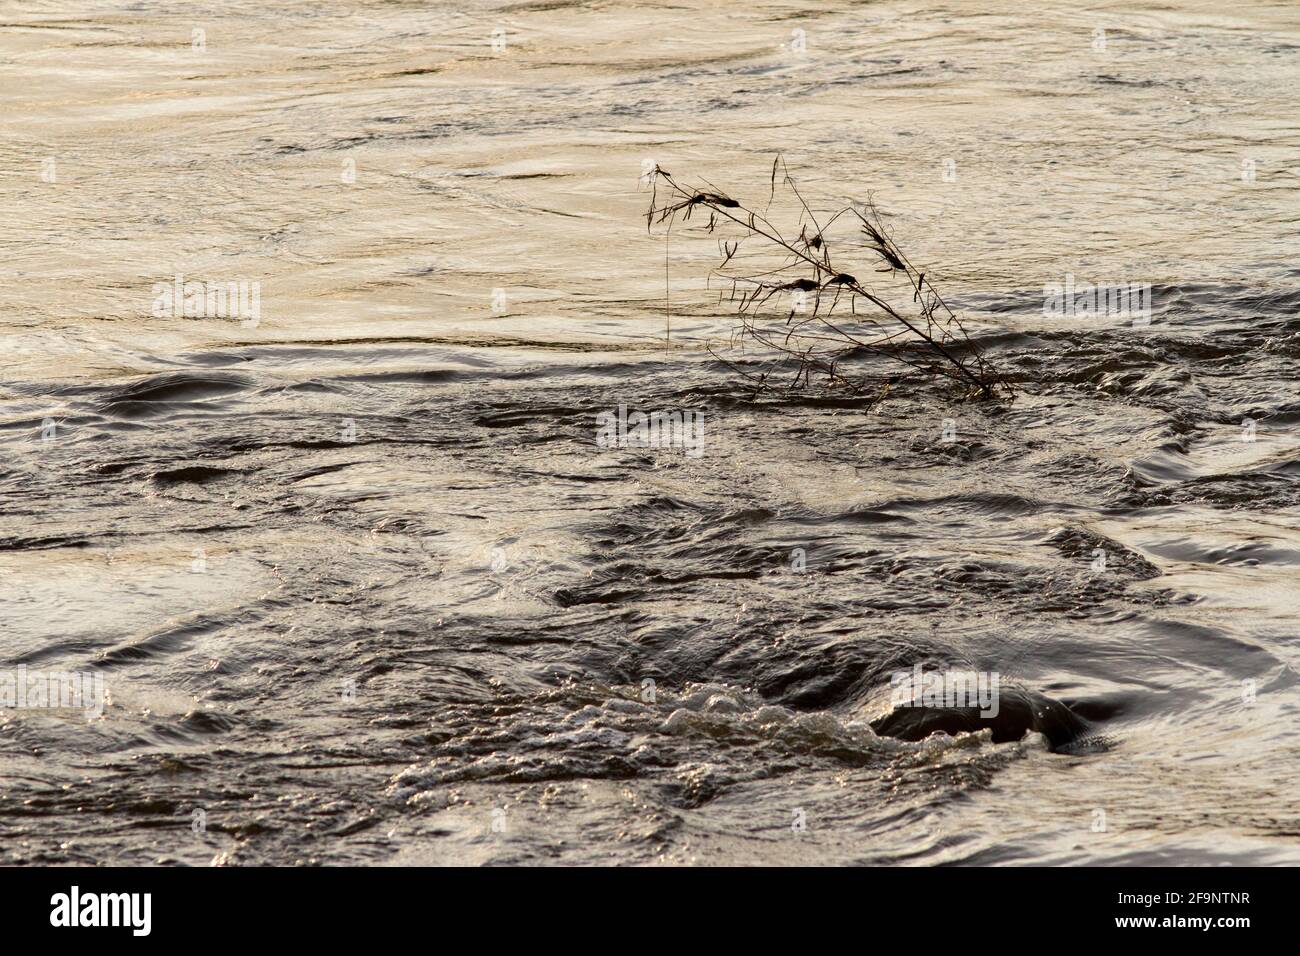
x=413, y=377
x=172, y=387
x=1017, y=712
x=44, y=543
x=990, y=504
x=1084, y=545
x=514, y=417
x=165, y=642
x=1241, y=553
x=193, y=474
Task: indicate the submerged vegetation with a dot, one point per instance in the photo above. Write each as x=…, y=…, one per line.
x=759, y=264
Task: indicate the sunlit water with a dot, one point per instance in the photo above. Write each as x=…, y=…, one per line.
x=360, y=583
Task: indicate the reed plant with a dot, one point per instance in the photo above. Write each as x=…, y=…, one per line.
x=897, y=314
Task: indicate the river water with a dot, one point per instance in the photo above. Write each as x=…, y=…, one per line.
x=362, y=587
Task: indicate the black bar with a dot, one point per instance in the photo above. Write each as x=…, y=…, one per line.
x=336, y=905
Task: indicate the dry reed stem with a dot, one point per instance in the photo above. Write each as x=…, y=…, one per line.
x=932, y=341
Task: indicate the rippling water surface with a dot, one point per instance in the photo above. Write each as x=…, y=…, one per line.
x=362, y=587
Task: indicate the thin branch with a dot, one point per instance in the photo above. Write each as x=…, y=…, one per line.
x=933, y=342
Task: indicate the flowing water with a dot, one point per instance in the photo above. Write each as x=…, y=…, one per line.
x=361, y=585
